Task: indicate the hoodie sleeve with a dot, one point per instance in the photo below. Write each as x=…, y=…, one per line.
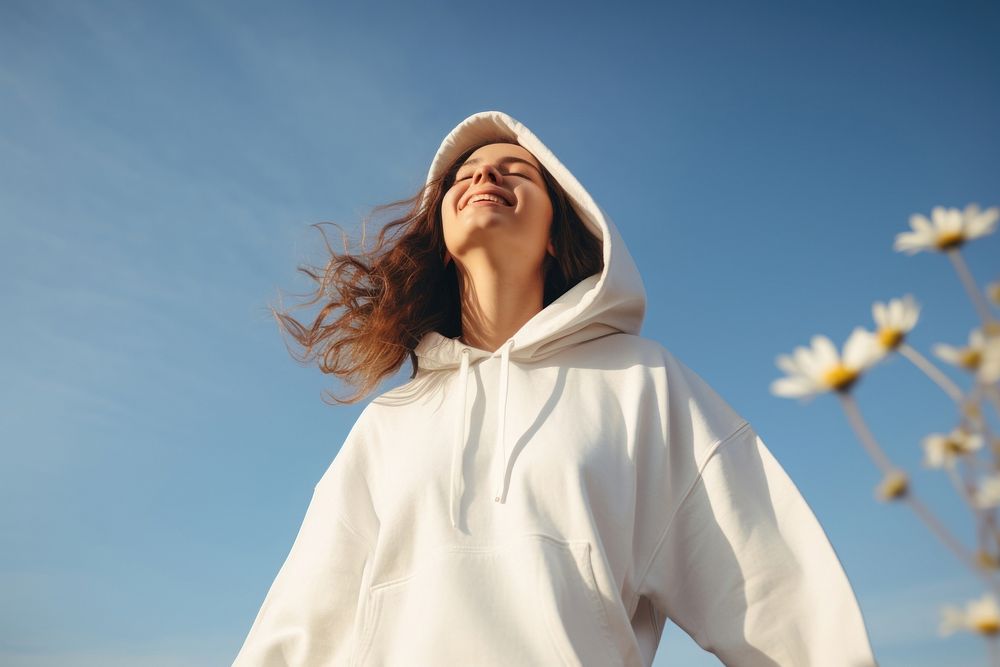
x=746, y=570
x=309, y=614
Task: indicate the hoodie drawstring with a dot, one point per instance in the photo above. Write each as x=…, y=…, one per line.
x=501, y=420
x=459, y=445
x=458, y=448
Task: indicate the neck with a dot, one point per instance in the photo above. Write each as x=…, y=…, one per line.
x=495, y=305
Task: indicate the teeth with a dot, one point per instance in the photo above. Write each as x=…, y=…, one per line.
x=489, y=197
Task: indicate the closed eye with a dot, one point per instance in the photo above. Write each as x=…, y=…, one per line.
x=465, y=178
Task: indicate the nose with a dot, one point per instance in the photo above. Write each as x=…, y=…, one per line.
x=486, y=171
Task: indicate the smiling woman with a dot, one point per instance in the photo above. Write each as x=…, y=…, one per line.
x=549, y=486
x=378, y=304
x=497, y=227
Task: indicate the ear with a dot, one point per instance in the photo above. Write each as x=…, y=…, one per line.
x=447, y=258
x=551, y=248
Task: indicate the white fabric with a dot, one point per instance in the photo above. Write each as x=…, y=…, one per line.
x=553, y=503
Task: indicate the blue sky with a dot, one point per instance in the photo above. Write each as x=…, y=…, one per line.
x=162, y=163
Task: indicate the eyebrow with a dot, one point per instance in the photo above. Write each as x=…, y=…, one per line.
x=505, y=160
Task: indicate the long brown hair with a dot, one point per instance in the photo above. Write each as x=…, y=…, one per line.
x=390, y=296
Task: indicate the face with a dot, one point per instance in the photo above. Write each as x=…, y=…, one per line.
x=511, y=231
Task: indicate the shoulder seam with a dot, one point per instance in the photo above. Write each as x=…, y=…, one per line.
x=670, y=522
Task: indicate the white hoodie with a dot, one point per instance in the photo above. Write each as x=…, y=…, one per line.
x=554, y=502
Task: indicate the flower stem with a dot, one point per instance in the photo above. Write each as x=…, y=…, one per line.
x=963, y=487
x=864, y=434
x=991, y=521
x=994, y=395
x=975, y=294
x=871, y=445
x=942, y=533
x=932, y=371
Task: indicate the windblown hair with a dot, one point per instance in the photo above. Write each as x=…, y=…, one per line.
x=377, y=304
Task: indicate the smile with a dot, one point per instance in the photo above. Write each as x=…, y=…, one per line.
x=487, y=200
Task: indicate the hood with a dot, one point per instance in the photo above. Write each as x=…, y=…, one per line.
x=610, y=302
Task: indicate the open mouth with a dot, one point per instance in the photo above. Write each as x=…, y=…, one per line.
x=488, y=200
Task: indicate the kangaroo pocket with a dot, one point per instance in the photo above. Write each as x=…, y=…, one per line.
x=530, y=601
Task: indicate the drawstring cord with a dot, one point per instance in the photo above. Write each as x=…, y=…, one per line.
x=501, y=491
x=457, y=483
x=459, y=443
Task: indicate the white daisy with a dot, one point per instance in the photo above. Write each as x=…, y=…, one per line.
x=819, y=368
x=942, y=450
x=894, y=320
x=982, y=616
x=951, y=228
x=969, y=357
x=988, y=493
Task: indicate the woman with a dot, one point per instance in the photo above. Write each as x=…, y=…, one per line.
x=549, y=487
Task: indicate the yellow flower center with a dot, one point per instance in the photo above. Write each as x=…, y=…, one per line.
x=840, y=377
x=987, y=560
x=987, y=626
x=953, y=447
x=950, y=240
x=970, y=358
x=890, y=338
x=893, y=486
x=972, y=410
